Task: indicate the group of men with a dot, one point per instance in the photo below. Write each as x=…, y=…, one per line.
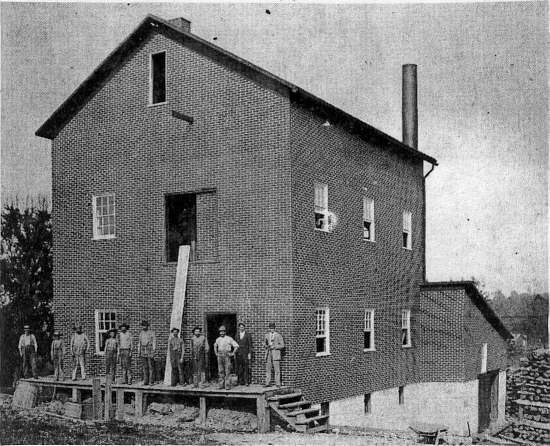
x=118, y=348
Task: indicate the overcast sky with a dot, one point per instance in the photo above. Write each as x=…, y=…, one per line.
x=483, y=97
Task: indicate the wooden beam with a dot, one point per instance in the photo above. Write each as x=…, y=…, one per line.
x=108, y=398
x=138, y=405
x=183, y=117
x=120, y=405
x=264, y=414
x=202, y=410
x=96, y=398
x=178, y=302
x=77, y=395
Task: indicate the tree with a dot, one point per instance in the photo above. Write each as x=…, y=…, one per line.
x=26, y=276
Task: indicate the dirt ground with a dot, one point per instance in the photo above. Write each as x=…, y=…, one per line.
x=35, y=426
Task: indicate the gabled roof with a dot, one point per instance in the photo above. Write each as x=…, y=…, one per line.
x=478, y=300
x=102, y=73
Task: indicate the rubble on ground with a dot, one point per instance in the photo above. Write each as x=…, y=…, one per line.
x=5, y=400
x=528, y=399
x=231, y=420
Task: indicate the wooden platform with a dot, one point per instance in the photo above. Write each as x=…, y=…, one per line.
x=141, y=392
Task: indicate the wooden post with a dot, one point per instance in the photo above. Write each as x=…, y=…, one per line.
x=138, y=403
x=202, y=410
x=120, y=404
x=263, y=413
x=77, y=395
x=108, y=398
x=96, y=398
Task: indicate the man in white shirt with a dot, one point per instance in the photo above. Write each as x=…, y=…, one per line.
x=27, y=350
x=125, y=340
x=273, y=345
x=225, y=348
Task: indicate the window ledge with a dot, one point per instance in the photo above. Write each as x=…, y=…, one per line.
x=156, y=104
x=99, y=354
x=369, y=350
x=194, y=262
x=317, y=355
x=406, y=346
x=368, y=240
x=406, y=249
x=105, y=237
x=326, y=231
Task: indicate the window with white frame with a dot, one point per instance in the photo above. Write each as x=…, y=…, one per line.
x=407, y=230
x=103, y=216
x=322, y=341
x=321, y=207
x=368, y=218
x=368, y=330
x=104, y=321
x=406, y=328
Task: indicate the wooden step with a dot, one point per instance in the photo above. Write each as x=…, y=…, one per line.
x=302, y=412
x=285, y=396
x=320, y=428
x=295, y=404
x=319, y=419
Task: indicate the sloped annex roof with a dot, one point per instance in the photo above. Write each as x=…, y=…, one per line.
x=102, y=73
x=478, y=300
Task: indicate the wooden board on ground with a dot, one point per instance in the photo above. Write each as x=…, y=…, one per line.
x=179, y=301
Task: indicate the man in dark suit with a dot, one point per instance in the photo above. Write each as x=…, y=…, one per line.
x=244, y=355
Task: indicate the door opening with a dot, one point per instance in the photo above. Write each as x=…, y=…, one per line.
x=213, y=323
x=487, y=400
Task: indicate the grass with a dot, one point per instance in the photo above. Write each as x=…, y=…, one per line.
x=34, y=428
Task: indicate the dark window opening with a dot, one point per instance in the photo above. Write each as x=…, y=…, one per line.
x=405, y=341
x=401, y=394
x=320, y=221
x=181, y=224
x=325, y=408
x=321, y=345
x=366, y=230
x=367, y=403
x=158, y=78
x=367, y=340
x=405, y=239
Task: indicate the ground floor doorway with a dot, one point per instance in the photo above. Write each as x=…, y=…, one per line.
x=213, y=323
x=487, y=399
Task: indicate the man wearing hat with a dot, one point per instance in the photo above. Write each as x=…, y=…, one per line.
x=244, y=355
x=125, y=353
x=27, y=350
x=273, y=345
x=225, y=347
x=147, y=345
x=111, y=353
x=199, y=356
x=176, y=350
x=57, y=351
x=79, y=347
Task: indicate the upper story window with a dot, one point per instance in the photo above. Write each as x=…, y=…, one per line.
x=483, y=358
x=406, y=328
x=157, y=87
x=322, y=340
x=368, y=330
x=321, y=207
x=368, y=218
x=103, y=216
x=105, y=320
x=407, y=230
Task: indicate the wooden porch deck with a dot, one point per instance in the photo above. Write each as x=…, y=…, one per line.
x=141, y=392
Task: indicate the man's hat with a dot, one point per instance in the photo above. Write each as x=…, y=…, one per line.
x=56, y=333
x=26, y=327
x=242, y=323
x=272, y=325
x=124, y=325
x=222, y=328
x=175, y=329
x=144, y=323
x=112, y=330
x=197, y=328
x=79, y=327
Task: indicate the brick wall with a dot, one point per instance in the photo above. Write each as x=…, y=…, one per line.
x=238, y=146
x=477, y=331
x=342, y=271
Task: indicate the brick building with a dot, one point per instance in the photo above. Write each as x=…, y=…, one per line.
x=297, y=213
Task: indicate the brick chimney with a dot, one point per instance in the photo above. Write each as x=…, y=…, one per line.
x=410, y=107
x=181, y=23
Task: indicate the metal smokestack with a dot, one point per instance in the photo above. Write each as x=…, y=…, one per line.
x=410, y=107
